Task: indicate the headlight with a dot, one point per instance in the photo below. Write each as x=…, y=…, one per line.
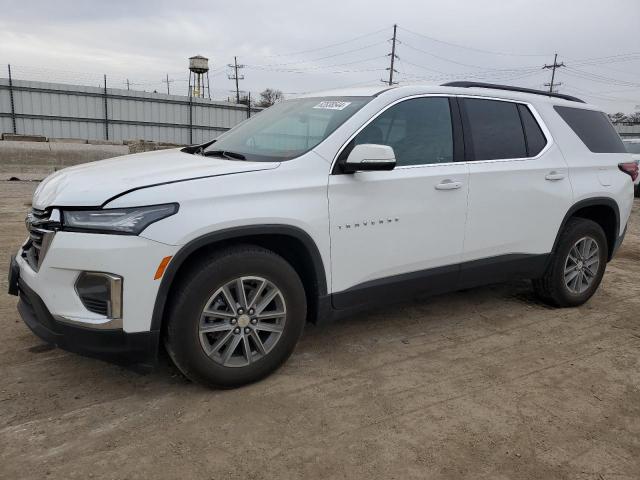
x=130, y=221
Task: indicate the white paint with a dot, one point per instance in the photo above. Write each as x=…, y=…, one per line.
x=366, y=226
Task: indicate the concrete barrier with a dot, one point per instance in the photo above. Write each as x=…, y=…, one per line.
x=24, y=160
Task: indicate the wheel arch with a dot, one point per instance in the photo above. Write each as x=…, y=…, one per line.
x=292, y=243
x=602, y=210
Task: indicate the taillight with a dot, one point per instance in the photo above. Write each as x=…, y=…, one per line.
x=630, y=168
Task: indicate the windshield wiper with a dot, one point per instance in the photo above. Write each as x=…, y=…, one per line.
x=197, y=149
x=225, y=154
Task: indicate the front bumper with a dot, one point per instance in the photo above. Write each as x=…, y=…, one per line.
x=115, y=346
x=51, y=307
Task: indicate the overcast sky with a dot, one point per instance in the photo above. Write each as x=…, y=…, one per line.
x=489, y=40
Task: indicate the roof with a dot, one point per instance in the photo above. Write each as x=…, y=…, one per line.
x=476, y=91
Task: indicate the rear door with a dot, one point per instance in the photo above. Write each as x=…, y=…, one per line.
x=519, y=189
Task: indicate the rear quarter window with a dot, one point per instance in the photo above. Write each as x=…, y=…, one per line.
x=593, y=128
x=536, y=140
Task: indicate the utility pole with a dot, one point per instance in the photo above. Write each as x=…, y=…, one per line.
x=11, y=101
x=106, y=110
x=167, y=81
x=553, y=67
x=236, y=77
x=393, y=56
x=127, y=84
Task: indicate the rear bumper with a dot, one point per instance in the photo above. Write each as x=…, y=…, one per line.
x=115, y=346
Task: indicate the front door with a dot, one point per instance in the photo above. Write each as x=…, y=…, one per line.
x=397, y=232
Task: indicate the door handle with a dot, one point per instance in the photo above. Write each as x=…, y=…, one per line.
x=448, y=185
x=554, y=176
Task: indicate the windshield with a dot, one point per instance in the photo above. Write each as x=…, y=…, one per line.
x=286, y=130
x=632, y=147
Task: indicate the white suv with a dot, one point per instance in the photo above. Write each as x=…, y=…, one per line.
x=315, y=207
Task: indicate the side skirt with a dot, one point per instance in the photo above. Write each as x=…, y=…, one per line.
x=440, y=280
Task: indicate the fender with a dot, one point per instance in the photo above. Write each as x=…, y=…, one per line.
x=228, y=234
x=589, y=202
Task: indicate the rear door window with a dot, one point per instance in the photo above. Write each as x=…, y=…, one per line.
x=593, y=128
x=495, y=129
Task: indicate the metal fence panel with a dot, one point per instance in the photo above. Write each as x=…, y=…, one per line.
x=77, y=111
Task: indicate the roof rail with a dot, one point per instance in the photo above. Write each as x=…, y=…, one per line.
x=511, y=89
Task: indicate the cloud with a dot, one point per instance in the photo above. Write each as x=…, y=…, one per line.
x=143, y=41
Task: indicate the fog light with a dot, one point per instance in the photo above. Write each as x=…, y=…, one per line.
x=101, y=293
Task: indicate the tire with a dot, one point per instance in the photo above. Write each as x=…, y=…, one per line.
x=217, y=273
x=553, y=288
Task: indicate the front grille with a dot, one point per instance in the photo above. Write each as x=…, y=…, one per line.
x=38, y=224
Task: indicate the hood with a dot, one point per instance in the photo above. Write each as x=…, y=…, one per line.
x=92, y=184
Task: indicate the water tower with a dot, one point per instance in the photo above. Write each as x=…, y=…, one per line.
x=198, y=70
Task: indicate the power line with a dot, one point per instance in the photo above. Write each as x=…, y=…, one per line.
x=621, y=57
x=463, y=76
x=603, y=97
x=553, y=68
x=451, y=44
x=476, y=73
x=607, y=68
x=593, y=77
x=326, y=46
x=444, y=59
x=317, y=67
x=322, y=58
x=366, y=82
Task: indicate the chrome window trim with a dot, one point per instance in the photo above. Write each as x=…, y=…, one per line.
x=545, y=130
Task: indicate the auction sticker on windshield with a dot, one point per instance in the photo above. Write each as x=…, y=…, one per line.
x=333, y=105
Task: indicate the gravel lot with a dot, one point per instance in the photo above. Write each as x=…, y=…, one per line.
x=485, y=383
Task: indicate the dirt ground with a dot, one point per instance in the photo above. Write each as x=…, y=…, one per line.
x=485, y=383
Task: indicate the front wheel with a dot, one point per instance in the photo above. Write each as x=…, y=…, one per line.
x=577, y=265
x=236, y=317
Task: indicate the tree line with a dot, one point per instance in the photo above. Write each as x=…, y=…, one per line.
x=268, y=97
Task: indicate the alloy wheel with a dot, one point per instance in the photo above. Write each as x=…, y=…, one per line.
x=582, y=264
x=242, y=321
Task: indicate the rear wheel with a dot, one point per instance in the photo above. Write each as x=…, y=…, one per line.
x=236, y=317
x=577, y=266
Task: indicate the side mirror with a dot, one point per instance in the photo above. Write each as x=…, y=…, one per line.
x=368, y=157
